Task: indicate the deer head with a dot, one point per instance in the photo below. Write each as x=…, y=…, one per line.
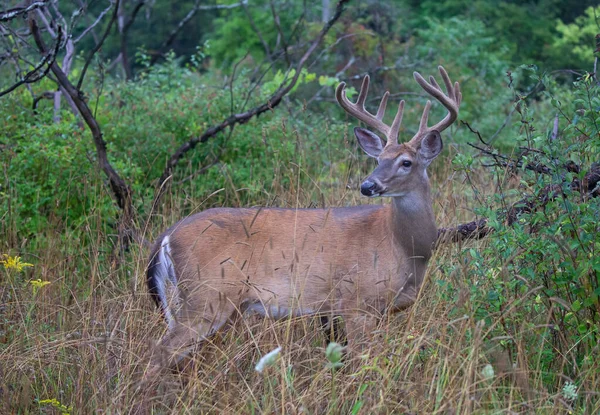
x=400, y=166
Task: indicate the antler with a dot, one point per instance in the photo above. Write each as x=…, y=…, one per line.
x=375, y=121
x=451, y=101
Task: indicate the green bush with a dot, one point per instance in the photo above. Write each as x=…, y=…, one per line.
x=52, y=166
x=546, y=262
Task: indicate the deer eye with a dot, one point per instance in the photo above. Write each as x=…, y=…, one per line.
x=406, y=163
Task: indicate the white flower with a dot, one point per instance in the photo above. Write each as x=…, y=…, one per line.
x=267, y=360
x=569, y=391
x=488, y=371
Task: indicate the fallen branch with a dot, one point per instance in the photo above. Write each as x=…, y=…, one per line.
x=588, y=187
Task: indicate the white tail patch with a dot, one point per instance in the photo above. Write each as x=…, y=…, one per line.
x=166, y=283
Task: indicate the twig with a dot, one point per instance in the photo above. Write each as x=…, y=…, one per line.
x=29, y=76
x=43, y=95
x=89, y=28
x=12, y=13
x=224, y=6
x=162, y=48
x=134, y=13
x=280, y=33
x=258, y=33
x=98, y=46
x=476, y=132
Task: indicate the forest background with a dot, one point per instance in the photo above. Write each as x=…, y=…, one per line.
x=121, y=117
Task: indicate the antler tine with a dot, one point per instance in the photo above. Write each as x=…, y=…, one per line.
x=364, y=90
x=395, y=130
x=424, y=119
x=451, y=100
x=382, y=105
x=434, y=83
x=359, y=112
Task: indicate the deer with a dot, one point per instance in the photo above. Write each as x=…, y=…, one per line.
x=359, y=262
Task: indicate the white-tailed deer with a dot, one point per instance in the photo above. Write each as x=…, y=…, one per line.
x=358, y=262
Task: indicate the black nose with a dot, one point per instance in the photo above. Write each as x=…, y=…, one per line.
x=368, y=188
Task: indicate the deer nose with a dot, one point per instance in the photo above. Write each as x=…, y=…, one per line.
x=368, y=188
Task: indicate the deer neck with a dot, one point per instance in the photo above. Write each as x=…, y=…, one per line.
x=413, y=223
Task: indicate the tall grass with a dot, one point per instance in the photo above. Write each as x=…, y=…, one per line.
x=81, y=343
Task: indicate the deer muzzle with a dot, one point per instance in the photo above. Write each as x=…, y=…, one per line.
x=370, y=188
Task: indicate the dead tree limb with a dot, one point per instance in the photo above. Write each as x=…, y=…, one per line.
x=477, y=229
x=18, y=11
x=244, y=117
x=120, y=190
x=98, y=46
x=35, y=75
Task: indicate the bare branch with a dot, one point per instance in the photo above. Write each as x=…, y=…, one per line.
x=134, y=13
x=476, y=132
x=43, y=95
x=30, y=76
x=163, y=48
x=258, y=33
x=224, y=6
x=12, y=13
x=241, y=118
x=281, y=35
x=89, y=28
x=118, y=186
x=175, y=31
x=98, y=46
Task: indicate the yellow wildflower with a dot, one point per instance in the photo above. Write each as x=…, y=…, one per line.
x=37, y=284
x=65, y=410
x=14, y=262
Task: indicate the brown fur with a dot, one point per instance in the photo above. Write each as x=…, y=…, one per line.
x=358, y=262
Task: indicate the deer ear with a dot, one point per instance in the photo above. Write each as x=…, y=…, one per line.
x=431, y=147
x=369, y=142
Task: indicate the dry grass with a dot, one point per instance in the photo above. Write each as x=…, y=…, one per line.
x=84, y=340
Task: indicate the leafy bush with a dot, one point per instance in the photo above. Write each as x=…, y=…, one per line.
x=51, y=166
x=546, y=262
x=575, y=41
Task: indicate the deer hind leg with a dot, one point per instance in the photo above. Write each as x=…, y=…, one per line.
x=359, y=330
x=192, y=311
x=179, y=341
x=190, y=329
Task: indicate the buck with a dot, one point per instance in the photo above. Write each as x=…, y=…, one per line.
x=358, y=262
